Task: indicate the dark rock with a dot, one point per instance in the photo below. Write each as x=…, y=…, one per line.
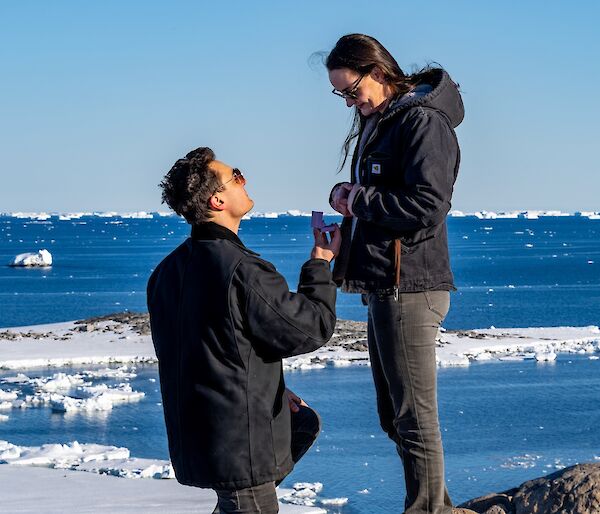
x=573, y=490
x=137, y=321
x=497, y=503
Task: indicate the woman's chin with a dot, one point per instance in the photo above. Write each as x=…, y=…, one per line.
x=366, y=109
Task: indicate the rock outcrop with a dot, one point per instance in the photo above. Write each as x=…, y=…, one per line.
x=573, y=490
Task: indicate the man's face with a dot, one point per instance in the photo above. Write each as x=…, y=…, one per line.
x=233, y=192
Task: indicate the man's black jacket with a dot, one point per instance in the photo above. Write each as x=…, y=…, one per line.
x=222, y=319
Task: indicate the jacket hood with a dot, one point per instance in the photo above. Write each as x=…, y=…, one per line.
x=435, y=89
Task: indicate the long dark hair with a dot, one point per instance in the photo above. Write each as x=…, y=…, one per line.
x=362, y=53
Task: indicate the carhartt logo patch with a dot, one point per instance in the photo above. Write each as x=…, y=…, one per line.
x=375, y=169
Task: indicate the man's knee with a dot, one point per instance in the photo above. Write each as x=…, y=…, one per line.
x=307, y=421
x=306, y=425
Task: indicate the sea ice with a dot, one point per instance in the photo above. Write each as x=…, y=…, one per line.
x=42, y=258
x=7, y=395
x=307, y=494
x=545, y=356
x=334, y=501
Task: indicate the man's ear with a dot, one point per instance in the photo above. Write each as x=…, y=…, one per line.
x=216, y=203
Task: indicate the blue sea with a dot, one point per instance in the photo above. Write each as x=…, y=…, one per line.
x=502, y=423
x=509, y=272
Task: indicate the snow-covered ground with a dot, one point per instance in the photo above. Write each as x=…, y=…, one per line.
x=125, y=339
x=34, y=489
x=91, y=476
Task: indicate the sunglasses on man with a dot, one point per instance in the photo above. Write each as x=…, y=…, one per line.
x=238, y=178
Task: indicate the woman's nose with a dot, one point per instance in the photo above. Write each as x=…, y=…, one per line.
x=350, y=102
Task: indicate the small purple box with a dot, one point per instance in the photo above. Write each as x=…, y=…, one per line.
x=318, y=223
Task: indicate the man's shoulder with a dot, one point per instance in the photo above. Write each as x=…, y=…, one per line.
x=251, y=267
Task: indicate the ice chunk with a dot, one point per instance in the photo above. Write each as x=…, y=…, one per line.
x=545, y=356
x=7, y=396
x=334, y=501
x=42, y=258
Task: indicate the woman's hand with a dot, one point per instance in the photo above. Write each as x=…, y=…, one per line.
x=339, y=198
x=324, y=248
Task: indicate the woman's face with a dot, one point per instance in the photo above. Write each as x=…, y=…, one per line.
x=369, y=92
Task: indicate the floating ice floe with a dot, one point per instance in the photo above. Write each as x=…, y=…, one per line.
x=307, y=494
x=42, y=258
x=7, y=396
x=69, y=393
x=545, y=356
x=141, y=215
x=93, y=458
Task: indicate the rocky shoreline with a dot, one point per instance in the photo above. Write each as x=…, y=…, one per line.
x=573, y=490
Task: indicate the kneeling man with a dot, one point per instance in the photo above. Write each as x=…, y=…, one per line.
x=222, y=319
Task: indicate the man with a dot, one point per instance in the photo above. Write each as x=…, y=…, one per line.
x=222, y=319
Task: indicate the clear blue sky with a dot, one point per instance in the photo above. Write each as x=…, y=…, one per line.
x=98, y=99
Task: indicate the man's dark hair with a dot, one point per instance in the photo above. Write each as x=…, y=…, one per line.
x=189, y=184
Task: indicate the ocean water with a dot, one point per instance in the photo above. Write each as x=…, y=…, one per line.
x=509, y=272
x=502, y=423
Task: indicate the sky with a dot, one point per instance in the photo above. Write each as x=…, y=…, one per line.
x=99, y=99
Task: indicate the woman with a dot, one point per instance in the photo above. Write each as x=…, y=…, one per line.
x=394, y=242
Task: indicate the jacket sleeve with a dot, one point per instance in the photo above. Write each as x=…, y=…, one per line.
x=282, y=323
x=428, y=152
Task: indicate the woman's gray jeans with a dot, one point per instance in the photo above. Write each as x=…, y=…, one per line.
x=401, y=337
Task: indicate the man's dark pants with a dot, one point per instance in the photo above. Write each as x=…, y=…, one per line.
x=401, y=337
x=262, y=499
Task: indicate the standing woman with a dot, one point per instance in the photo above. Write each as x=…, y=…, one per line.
x=394, y=242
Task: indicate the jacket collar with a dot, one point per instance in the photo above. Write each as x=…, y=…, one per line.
x=211, y=231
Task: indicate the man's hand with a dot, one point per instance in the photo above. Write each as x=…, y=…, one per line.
x=324, y=248
x=339, y=198
x=294, y=401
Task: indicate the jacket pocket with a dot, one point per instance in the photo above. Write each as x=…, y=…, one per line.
x=377, y=167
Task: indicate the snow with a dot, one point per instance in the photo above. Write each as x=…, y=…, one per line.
x=101, y=465
x=79, y=344
x=57, y=491
x=41, y=258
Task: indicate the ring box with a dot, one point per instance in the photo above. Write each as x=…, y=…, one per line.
x=318, y=222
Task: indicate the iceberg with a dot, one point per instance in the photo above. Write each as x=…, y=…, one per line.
x=42, y=258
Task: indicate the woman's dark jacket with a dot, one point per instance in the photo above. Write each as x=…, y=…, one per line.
x=222, y=319
x=407, y=173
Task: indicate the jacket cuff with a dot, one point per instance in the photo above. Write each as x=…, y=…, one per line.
x=316, y=262
x=352, y=196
